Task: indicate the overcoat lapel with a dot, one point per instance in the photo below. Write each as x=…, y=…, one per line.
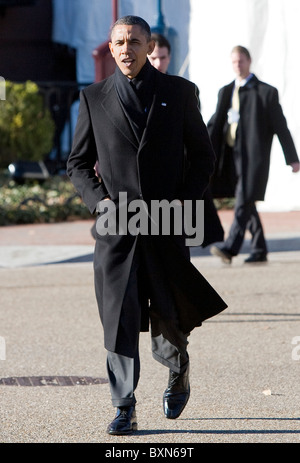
x=158, y=113
x=115, y=113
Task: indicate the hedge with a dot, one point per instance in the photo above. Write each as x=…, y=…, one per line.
x=55, y=200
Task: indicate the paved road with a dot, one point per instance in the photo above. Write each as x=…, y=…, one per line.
x=245, y=362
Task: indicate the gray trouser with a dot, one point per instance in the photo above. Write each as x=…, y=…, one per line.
x=246, y=217
x=169, y=344
x=123, y=372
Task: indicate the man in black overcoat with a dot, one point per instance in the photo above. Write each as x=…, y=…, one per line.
x=146, y=133
x=247, y=117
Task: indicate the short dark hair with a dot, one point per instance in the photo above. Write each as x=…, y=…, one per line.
x=241, y=49
x=161, y=41
x=134, y=21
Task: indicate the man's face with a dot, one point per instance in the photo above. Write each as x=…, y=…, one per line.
x=241, y=65
x=129, y=47
x=160, y=58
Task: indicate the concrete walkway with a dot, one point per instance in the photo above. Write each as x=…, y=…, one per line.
x=245, y=363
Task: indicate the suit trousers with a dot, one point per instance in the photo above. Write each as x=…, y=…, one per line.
x=169, y=343
x=245, y=218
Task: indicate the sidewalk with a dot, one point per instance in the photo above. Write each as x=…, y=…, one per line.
x=245, y=363
x=72, y=241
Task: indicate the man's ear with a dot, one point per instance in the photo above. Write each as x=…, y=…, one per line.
x=151, y=46
x=111, y=49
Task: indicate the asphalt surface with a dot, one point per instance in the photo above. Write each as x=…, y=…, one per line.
x=245, y=362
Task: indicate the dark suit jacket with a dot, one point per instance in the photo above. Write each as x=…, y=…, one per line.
x=155, y=168
x=261, y=117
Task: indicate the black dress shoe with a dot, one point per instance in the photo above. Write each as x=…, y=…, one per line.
x=124, y=422
x=256, y=257
x=225, y=255
x=177, y=394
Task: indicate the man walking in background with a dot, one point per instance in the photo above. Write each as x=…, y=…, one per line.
x=247, y=116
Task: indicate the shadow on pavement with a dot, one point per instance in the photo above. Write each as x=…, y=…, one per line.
x=274, y=245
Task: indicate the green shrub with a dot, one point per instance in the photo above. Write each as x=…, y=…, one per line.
x=224, y=203
x=26, y=125
x=55, y=200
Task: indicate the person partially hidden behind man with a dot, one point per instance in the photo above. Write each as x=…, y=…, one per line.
x=160, y=58
x=146, y=132
x=247, y=116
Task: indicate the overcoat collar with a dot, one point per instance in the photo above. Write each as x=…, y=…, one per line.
x=228, y=89
x=157, y=115
x=250, y=84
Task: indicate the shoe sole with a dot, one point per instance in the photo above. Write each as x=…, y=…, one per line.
x=217, y=252
x=124, y=433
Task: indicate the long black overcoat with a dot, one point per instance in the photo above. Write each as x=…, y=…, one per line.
x=261, y=117
x=173, y=160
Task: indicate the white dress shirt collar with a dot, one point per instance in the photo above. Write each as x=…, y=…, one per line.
x=242, y=83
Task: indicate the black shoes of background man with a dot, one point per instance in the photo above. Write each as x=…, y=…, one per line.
x=219, y=252
x=177, y=394
x=124, y=423
x=256, y=257
x=227, y=257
